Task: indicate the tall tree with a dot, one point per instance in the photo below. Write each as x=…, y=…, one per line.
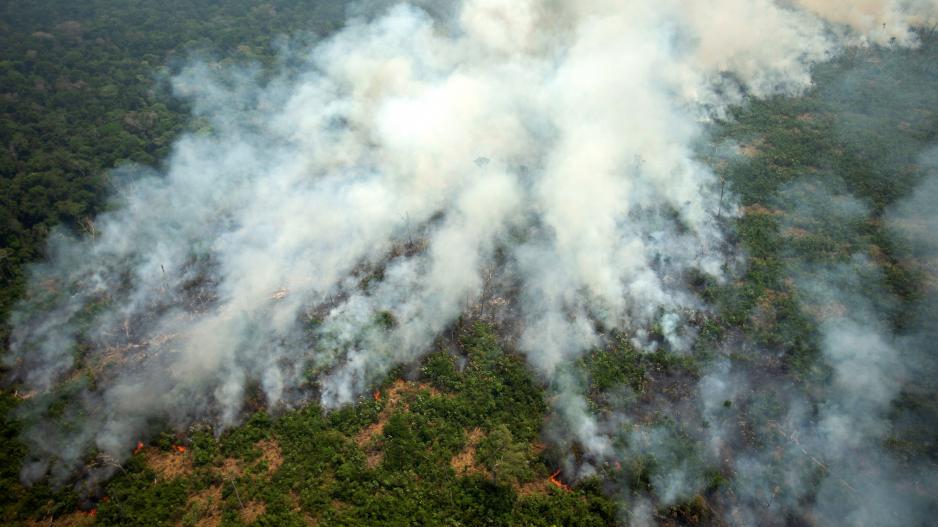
x=503, y=457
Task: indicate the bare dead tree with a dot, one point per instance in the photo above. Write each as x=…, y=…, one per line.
x=88, y=225
x=237, y=495
x=109, y=461
x=722, y=189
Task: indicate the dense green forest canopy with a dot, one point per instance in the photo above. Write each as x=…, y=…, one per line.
x=83, y=89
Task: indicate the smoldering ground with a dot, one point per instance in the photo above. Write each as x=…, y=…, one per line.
x=332, y=222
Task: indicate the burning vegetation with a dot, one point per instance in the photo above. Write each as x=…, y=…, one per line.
x=557, y=483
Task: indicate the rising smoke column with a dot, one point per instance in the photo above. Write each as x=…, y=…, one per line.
x=555, y=136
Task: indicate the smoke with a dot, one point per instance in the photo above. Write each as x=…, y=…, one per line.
x=876, y=21
x=641, y=514
x=826, y=444
x=332, y=222
x=831, y=447
x=914, y=220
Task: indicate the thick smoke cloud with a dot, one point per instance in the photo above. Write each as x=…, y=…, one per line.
x=334, y=221
x=876, y=21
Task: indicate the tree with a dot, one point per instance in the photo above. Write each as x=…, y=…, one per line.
x=503, y=457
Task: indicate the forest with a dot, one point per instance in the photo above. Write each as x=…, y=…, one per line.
x=817, y=187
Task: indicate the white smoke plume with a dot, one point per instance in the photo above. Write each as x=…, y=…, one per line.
x=814, y=448
x=876, y=21
x=334, y=221
x=835, y=441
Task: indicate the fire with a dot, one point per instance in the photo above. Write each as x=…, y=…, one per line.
x=92, y=512
x=377, y=395
x=179, y=448
x=556, y=482
x=139, y=447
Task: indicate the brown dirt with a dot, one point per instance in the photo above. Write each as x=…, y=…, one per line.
x=371, y=431
x=231, y=468
x=759, y=209
x=464, y=462
x=374, y=458
x=796, y=233
x=538, y=486
x=168, y=465
x=826, y=311
x=207, y=506
x=765, y=315
x=878, y=255
x=369, y=438
x=74, y=519
x=252, y=511
x=294, y=500
x=271, y=454
x=308, y=519
x=750, y=151
x=211, y=521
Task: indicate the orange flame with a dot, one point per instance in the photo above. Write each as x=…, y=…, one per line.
x=556, y=482
x=179, y=448
x=92, y=512
x=139, y=447
x=377, y=395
